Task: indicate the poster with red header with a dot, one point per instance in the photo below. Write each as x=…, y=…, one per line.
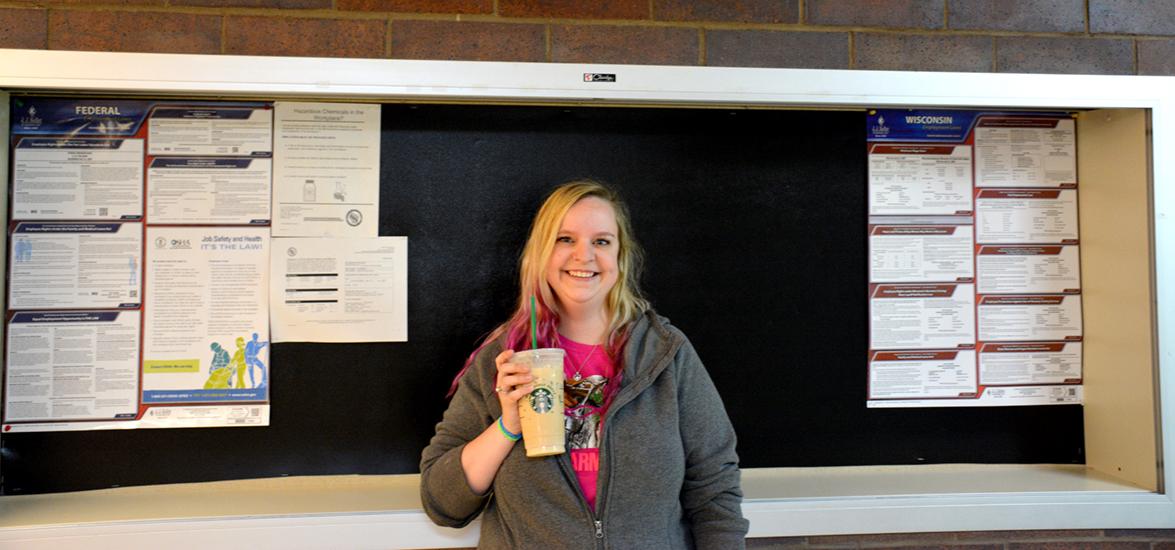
x=974, y=259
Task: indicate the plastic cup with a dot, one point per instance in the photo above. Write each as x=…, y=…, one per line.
x=541, y=411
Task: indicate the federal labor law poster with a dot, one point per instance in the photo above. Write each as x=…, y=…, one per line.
x=137, y=269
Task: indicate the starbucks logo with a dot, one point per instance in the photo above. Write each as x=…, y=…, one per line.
x=541, y=400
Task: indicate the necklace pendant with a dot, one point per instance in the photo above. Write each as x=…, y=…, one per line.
x=576, y=377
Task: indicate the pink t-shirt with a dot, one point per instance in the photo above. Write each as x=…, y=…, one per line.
x=583, y=408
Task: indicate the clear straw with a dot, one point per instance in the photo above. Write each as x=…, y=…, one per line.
x=534, y=342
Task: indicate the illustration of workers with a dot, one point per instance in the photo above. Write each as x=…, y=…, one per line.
x=238, y=362
x=219, y=373
x=24, y=250
x=252, y=348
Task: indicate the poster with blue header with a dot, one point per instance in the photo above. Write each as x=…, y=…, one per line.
x=89, y=295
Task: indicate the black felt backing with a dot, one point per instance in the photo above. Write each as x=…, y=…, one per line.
x=754, y=226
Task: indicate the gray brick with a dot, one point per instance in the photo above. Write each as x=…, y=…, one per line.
x=1022, y=54
x=1017, y=15
x=912, y=52
x=1132, y=16
x=804, y=50
x=894, y=14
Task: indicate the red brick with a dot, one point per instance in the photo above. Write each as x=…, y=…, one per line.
x=1149, y=534
x=1017, y=15
x=742, y=11
x=897, y=14
x=938, y=547
x=468, y=41
x=109, y=2
x=24, y=29
x=775, y=543
x=418, y=6
x=304, y=37
x=912, y=52
x=1132, y=17
x=636, y=45
x=1037, y=534
x=1089, y=545
x=594, y=9
x=1019, y=54
x=806, y=50
x=134, y=31
x=278, y=4
x=887, y=539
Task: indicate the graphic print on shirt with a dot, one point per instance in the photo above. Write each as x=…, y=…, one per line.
x=583, y=402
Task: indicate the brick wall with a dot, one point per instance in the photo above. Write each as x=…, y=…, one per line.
x=1036, y=36
x=1033, y=36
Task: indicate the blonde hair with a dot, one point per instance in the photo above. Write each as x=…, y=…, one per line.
x=624, y=303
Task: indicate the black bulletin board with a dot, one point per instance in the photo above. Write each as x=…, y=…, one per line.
x=754, y=225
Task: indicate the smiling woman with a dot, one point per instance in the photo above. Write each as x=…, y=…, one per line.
x=642, y=468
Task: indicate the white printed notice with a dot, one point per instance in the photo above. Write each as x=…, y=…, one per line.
x=920, y=253
x=1025, y=152
x=919, y=179
x=75, y=265
x=1030, y=363
x=71, y=365
x=930, y=316
x=339, y=290
x=922, y=374
x=205, y=333
x=1026, y=216
x=208, y=190
x=77, y=179
x=210, y=130
x=1020, y=318
x=1028, y=269
x=326, y=170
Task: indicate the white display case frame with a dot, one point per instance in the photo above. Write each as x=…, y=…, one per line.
x=384, y=511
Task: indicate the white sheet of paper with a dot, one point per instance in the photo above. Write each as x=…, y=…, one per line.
x=77, y=179
x=922, y=374
x=1030, y=363
x=997, y=396
x=72, y=365
x=326, y=170
x=920, y=253
x=208, y=190
x=1028, y=269
x=1029, y=318
x=1026, y=216
x=339, y=290
x=919, y=179
x=926, y=316
x=1025, y=152
x=205, y=324
x=75, y=265
x=210, y=130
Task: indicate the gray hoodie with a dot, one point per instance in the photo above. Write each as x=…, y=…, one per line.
x=669, y=474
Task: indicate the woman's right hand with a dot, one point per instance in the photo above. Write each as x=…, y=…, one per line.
x=514, y=382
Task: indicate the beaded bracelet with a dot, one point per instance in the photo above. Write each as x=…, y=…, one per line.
x=509, y=435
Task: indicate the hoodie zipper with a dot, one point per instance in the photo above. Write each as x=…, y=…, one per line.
x=569, y=473
x=618, y=402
